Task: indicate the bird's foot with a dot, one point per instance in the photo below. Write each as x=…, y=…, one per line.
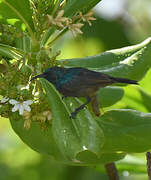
x=73, y=115
x=63, y=97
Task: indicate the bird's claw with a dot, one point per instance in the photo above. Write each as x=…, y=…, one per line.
x=63, y=97
x=73, y=114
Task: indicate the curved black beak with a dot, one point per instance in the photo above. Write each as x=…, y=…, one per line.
x=38, y=76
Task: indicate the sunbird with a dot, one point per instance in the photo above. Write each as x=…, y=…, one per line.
x=80, y=82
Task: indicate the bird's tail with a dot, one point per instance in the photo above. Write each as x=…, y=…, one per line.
x=123, y=80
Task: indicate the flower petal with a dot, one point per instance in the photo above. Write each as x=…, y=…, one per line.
x=21, y=109
x=28, y=102
x=13, y=101
x=26, y=107
x=4, y=100
x=15, y=108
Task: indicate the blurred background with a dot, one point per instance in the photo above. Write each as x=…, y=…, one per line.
x=119, y=23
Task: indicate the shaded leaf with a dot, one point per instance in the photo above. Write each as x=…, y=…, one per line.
x=10, y=52
x=136, y=98
x=43, y=142
x=23, y=43
x=16, y=9
x=146, y=98
x=83, y=132
x=128, y=67
x=39, y=140
x=107, y=58
x=126, y=131
x=80, y=141
x=109, y=95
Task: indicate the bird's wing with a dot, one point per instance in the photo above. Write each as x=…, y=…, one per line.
x=87, y=78
x=81, y=77
x=80, y=82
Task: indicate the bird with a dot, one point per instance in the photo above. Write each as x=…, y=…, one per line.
x=80, y=82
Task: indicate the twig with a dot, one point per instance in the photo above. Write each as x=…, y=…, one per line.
x=148, y=157
x=112, y=171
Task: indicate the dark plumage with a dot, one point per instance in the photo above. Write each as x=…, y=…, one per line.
x=80, y=82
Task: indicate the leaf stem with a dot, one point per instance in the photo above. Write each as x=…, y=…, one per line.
x=58, y=36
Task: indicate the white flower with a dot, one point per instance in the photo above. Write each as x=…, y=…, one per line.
x=22, y=87
x=21, y=106
x=4, y=100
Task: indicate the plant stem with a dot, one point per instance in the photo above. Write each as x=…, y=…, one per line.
x=111, y=171
x=148, y=157
x=57, y=37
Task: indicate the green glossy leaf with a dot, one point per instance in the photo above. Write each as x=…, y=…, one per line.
x=129, y=67
x=64, y=128
x=88, y=140
x=16, y=9
x=74, y=6
x=43, y=142
x=81, y=141
x=107, y=58
x=109, y=95
x=144, y=83
x=73, y=142
x=39, y=140
x=104, y=158
x=126, y=131
x=136, y=98
x=146, y=99
x=132, y=99
x=73, y=136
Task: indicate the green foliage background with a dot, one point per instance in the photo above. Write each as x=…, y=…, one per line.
x=20, y=162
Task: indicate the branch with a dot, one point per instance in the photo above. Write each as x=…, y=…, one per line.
x=111, y=171
x=148, y=157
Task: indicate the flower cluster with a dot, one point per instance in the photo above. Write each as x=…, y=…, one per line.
x=59, y=20
x=73, y=24
x=87, y=17
x=19, y=97
x=75, y=28
x=24, y=111
x=40, y=117
x=21, y=106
